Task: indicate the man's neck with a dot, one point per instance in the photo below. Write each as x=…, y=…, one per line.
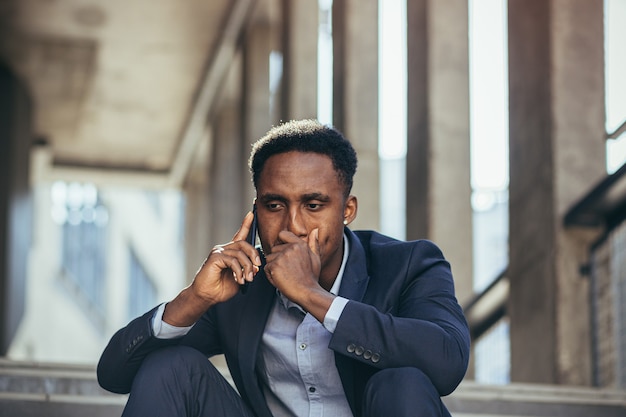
x=327, y=279
x=327, y=284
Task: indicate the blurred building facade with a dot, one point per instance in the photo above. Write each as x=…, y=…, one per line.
x=99, y=258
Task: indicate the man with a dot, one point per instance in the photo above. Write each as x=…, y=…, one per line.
x=332, y=322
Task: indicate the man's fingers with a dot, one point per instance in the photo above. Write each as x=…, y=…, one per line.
x=243, y=231
x=242, y=265
x=242, y=235
x=314, y=243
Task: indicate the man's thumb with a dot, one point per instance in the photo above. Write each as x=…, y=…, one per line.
x=314, y=243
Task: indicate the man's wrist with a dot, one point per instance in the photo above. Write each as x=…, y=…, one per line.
x=185, y=309
x=163, y=330
x=317, y=303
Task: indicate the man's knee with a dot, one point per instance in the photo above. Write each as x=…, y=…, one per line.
x=170, y=363
x=401, y=392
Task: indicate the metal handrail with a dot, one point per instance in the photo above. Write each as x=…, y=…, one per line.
x=617, y=132
x=486, y=308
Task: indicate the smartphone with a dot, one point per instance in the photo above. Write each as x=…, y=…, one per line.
x=251, y=239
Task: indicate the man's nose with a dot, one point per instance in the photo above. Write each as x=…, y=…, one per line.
x=296, y=224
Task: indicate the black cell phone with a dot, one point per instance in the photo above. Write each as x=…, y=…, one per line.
x=251, y=239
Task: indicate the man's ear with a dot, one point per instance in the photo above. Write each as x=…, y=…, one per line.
x=350, y=209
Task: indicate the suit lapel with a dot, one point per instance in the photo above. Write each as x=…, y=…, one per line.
x=260, y=299
x=355, y=275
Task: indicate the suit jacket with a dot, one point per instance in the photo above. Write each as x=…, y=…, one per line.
x=402, y=312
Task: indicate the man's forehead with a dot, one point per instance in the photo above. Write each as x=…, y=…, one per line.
x=298, y=175
x=299, y=164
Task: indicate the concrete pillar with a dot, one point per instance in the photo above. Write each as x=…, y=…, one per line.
x=556, y=104
x=355, y=101
x=256, y=93
x=438, y=149
x=216, y=198
x=15, y=202
x=196, y=187
x=230, y=191
x=228, y=169
x=301, y=21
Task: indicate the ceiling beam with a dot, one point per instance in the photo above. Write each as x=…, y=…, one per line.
x=44, y=168
x=224, y=54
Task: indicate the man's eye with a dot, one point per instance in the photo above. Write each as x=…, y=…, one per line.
x=314, y=206
x=273, y=206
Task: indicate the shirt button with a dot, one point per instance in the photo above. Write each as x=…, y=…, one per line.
x=311, y=389
x=375, y=357
x=302, y=346
x=367, y=354
x=351, y=347
x=359, y=350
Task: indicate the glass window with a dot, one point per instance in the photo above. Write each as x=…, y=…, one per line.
x=489, y=161
x=83, y=218
x=142, y=293
x=615, y=85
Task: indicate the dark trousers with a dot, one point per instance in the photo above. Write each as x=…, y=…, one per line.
x=180, y=381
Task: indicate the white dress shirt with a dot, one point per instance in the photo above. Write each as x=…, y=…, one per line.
x=295, y=366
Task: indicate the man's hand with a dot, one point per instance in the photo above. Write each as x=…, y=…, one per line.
x=294, y=268
x=224, y=270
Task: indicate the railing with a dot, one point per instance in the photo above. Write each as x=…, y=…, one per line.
x=617, y=132
x=488, y=307
x=604, y=207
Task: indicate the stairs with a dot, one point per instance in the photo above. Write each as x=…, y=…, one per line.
x=57, y=390
x=534, y=400
x=54, y=390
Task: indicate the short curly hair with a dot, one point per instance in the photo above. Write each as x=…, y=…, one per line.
x=306, y=136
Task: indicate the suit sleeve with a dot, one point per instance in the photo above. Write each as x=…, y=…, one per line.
x=125, y=352
x=127, y=349
x=420, y=323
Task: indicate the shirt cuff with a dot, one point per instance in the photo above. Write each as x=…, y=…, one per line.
x=334, y=312
x=163, y=330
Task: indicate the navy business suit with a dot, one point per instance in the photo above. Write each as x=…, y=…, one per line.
x=402, y=313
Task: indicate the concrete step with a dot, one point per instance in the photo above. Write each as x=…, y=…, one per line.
x=58, y=390
x=54, y=390
x=533, y=400
x=58, y=405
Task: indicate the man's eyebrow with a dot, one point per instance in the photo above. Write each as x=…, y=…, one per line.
x=270, y=197
x=315, y=196
x=304, y=197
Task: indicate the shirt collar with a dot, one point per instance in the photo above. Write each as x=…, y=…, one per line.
x=336, y=285
x=346, y=250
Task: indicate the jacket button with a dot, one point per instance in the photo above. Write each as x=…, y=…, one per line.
x=359, y=350
x=367, y=354
x=375, y=357
x=351, y=347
